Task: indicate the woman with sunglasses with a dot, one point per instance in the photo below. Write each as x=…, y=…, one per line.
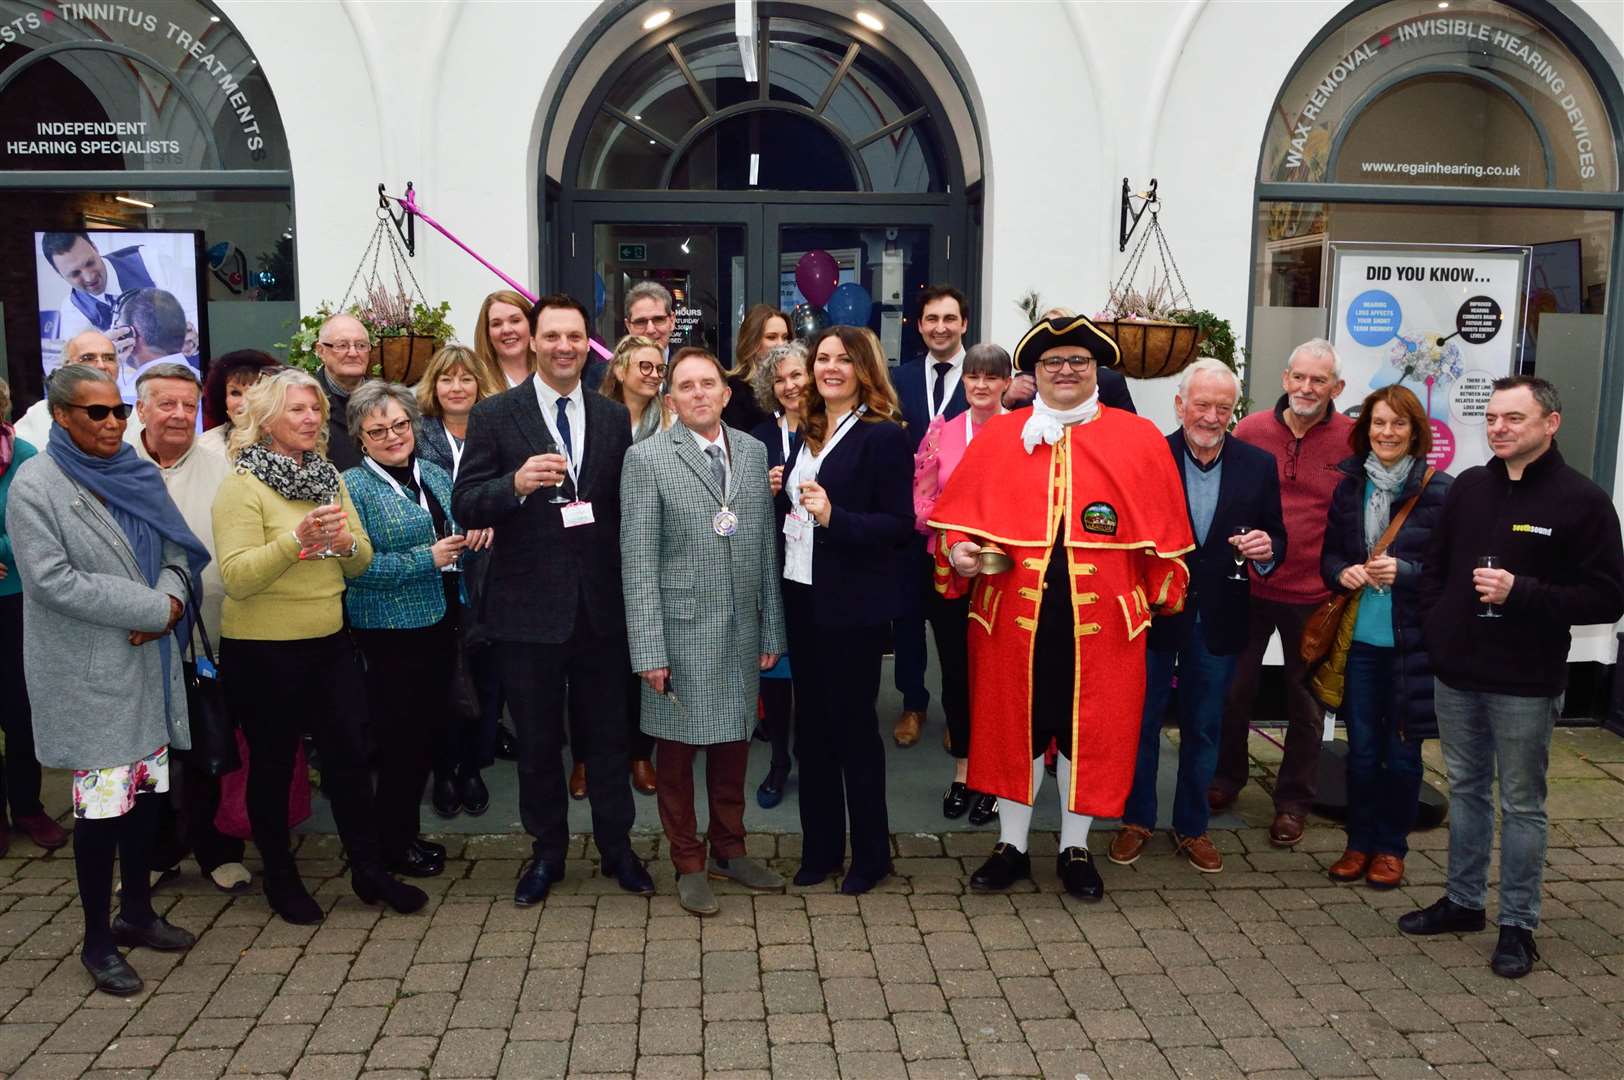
x=106, y=561
x=633, y=378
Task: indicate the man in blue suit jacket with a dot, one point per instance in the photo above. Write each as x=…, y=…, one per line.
x=1232, y=492
x=931, y=386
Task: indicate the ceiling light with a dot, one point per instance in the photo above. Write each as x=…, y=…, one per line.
x=755, y=169
x=637, y=116
x=1442, y=4
x=657, y=20
x=125, y=199
x=870, y=21
x=214, y=18
x=684, y=245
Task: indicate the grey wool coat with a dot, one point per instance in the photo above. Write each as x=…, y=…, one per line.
x=98, y=701
x=703, y=605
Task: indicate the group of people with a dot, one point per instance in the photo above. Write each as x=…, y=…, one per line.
x=655, y=555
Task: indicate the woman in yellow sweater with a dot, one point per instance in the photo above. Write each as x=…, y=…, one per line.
x=287, y=538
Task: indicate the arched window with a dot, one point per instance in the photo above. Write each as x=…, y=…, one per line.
x=1424, y=158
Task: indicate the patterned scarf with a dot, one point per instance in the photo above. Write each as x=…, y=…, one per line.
x=312, y=480
x=1385, y=482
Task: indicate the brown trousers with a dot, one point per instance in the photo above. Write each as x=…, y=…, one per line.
x=724, y=785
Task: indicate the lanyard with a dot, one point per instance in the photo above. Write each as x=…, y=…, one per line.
x=566, y=451
x=806, y=466
x=417, y=478
x=783, y=433
x=456, y=445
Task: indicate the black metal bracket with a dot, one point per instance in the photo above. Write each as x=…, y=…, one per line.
x=405, y=222
x=1130, y=216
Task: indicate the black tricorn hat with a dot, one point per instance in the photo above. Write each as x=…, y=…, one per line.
x=1065, y=330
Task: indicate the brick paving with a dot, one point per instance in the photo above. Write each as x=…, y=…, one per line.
x=1266, y=970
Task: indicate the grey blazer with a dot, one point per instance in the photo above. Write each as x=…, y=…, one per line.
x=703, y=605
x=98, y=701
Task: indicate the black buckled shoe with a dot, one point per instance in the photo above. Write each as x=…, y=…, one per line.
x=1004, y=867
x=447, y=797
x=771, y=791
x=417, y=863
x=430, y=849
x=630, y=874
x=1079, y=875
x=956, y=800
x=1444, y=916
x=159, y=934
x=535, y=880
x=983, y=808
x=113, y=975
x=476, y=797
x=1515, y=954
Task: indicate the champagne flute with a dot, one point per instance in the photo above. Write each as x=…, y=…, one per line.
x=1488, y=610
x=1239, y=573
x=327, y=551
x=455, y=565
x=558, y=498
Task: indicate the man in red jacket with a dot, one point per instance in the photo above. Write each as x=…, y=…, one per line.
x=1307, y=437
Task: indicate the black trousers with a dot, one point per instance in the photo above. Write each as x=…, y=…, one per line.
x=278, y=691
x=837, y=739
x=408, y=685
x=950, y=626
x=778, y=712
x=19, y=778
x=589, y=672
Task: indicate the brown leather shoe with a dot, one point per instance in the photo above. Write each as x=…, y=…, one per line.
x=1200, y=851
x=643, y=776
x=578, y=781
x=1386, y=872
x=1129, y=844
x=1351, y=866
x=906, y=733
x=1286, y=830
x=42, y=829
x=1219, y=800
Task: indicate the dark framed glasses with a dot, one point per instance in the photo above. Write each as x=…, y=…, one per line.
x=98, y=413
x=1075, y=363
x=649, y=367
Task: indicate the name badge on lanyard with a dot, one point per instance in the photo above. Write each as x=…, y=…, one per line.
x=576, y=513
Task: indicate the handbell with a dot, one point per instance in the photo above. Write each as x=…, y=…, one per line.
x=994, y=559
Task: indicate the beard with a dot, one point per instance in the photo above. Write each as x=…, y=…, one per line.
x=1306, y=412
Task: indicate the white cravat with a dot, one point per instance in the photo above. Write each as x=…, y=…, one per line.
x=1047, y=424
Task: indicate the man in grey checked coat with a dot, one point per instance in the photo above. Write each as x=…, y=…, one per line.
x=703, y=615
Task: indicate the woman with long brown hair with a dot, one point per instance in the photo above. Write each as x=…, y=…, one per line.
x=848, y=501
x=502, y=338
x=764, y=328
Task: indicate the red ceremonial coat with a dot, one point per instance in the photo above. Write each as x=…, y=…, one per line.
x=1112, y=481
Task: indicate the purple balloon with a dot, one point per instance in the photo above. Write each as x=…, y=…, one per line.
x=816, y=275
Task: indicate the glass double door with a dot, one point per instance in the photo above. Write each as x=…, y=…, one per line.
x=720, y=259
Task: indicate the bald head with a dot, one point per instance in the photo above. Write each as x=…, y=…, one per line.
x=345, y=350
x=94, y=348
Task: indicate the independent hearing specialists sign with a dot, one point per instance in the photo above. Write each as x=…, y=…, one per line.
x=92, y=107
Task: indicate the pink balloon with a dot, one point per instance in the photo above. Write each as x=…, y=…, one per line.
x=817, y=275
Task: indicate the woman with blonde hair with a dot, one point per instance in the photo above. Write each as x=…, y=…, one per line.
x=764, y=328
x=634, y=379
x=288, y=538
x=848, y=501
x=502, y=338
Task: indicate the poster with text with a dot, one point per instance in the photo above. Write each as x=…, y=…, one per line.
x=140, y=289
x=1443, y=322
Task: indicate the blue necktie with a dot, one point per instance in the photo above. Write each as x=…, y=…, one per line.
x=564, y=427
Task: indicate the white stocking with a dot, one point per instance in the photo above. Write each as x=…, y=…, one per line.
x=1073, y=827
x=1015, y=819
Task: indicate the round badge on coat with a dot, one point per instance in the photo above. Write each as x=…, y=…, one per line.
x=726, y=522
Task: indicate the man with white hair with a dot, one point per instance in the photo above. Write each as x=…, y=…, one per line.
x=1308, y=438
x=345, y=349
x=1233, y=500
x=167, y=398
x=90, y=347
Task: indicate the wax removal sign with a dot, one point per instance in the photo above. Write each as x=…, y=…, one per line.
x=1443, y=321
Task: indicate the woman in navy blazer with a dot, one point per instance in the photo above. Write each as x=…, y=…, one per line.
x=848, y=505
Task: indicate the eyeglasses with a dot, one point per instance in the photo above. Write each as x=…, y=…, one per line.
x=346, y=346
x=648, y=322
x=649, y=367
x=397, y=429
x=98, y=413
x=1075, y=363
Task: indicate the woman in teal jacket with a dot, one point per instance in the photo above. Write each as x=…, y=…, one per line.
x=19, y=773
x=403, y=610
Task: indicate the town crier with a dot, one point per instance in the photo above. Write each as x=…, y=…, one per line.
x=1067, y=520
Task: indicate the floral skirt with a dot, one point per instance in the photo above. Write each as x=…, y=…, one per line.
x=111, y=792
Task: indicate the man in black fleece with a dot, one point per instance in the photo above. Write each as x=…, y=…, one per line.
x=1498, y=638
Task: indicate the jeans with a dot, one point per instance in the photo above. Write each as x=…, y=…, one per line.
x=1384, y=768
x=1480, y=731
x=1203, y=683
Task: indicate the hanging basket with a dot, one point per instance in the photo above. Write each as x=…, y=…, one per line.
x=404, y=359
x=1153, y=348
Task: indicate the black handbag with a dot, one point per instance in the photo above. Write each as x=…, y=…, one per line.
x=214, y=735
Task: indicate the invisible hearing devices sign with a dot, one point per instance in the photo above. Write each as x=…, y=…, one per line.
x=1443, y=320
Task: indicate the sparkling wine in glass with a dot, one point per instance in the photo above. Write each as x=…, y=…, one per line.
x=327, y=551
x=558, y=498
x=1488, y=610
x=455, y=565
x=1239, y=573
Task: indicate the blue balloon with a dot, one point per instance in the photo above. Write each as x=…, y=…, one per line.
x=850, y=305
x=597, y=294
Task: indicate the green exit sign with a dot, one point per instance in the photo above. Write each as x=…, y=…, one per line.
x=633, y=253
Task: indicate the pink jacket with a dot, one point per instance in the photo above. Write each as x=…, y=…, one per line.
x=939, y=453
